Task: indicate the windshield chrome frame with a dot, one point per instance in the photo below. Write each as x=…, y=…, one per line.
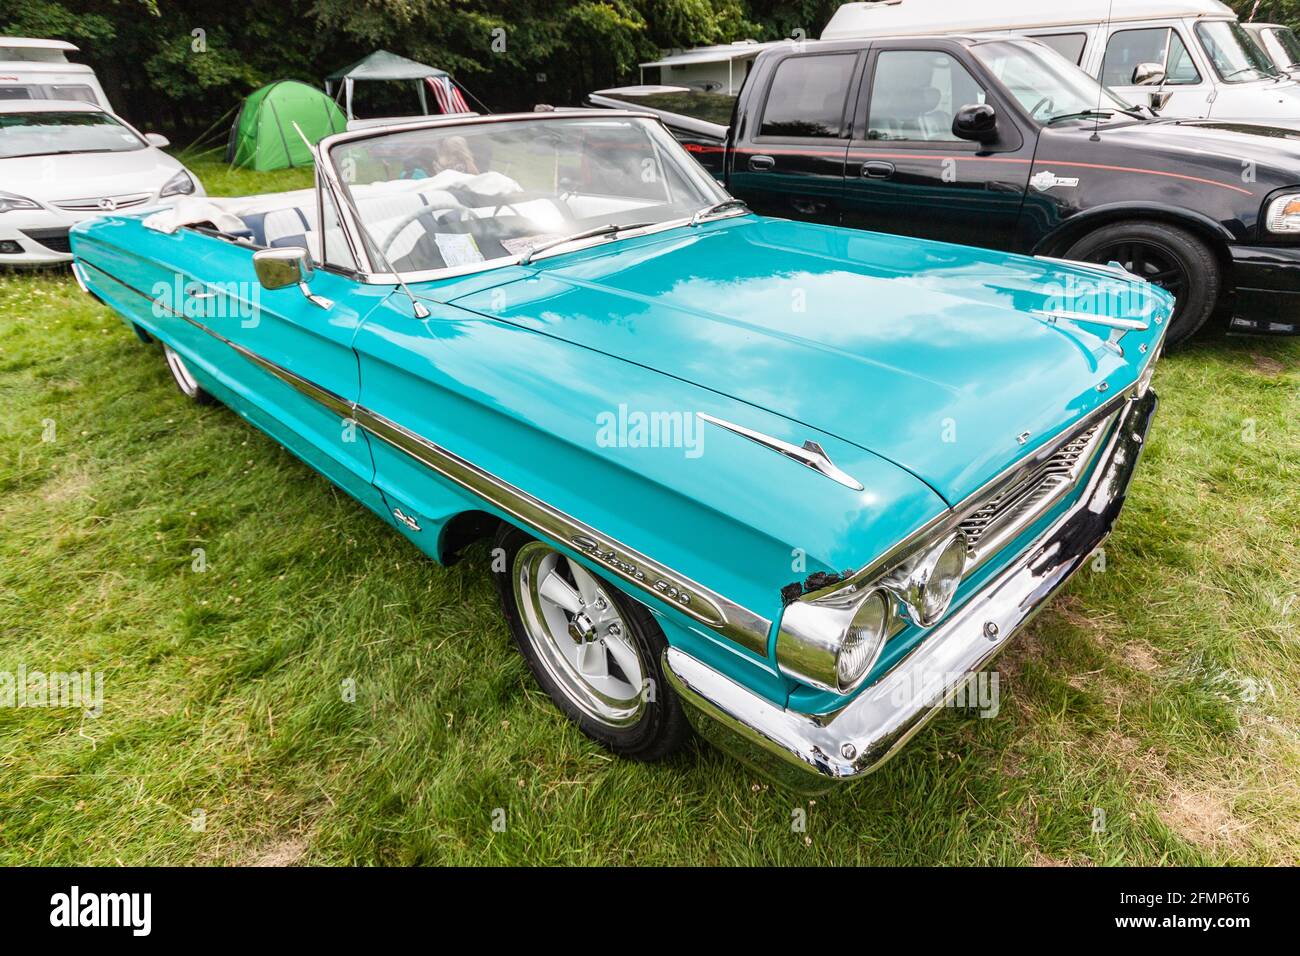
x=371, y=272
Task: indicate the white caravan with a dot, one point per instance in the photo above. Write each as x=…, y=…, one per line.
x=39, y=70
x=1185, y=58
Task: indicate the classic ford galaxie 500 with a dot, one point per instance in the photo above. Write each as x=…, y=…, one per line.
x=792, y=484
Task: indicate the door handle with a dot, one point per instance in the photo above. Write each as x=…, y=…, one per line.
x=758, y=164
x=877, y=170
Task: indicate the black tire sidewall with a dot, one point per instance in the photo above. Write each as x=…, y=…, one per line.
x=1204, y=272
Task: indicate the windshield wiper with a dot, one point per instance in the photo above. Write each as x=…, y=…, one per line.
x=608, y=229
x=1082, y=114
x=59, y=152
x=716, y=208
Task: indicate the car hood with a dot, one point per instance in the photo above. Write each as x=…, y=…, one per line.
x=87, y=175
x=1268, y=143
x=924, y=353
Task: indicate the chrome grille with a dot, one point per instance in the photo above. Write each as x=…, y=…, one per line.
x=1012, y=509
x=104, y=203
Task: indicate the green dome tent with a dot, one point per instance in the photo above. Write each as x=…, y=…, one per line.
x=263, y=136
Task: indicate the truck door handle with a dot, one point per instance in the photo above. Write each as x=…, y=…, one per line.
x=759, y=163
x=877, y=170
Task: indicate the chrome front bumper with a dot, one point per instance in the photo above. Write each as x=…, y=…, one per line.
x=812, y=752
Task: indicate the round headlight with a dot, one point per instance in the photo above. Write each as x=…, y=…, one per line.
x=832, y=644
x=926, y=584
x=862, y=643
x=943, y=580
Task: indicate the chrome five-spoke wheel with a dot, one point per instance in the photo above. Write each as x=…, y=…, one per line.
x=595, y=651
x=579, y=636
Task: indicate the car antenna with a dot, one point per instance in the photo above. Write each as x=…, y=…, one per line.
x=1101, y=72
x=418, y=307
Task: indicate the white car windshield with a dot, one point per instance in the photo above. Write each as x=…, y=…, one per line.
x=1045, y=83
x=466, y=195
x=56, y=133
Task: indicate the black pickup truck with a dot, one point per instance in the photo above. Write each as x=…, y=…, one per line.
x=1000, y=142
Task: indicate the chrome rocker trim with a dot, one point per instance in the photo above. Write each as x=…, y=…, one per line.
x=813, y=752
x=746, y=628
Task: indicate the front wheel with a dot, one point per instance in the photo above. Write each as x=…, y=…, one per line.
x=596, y=652
x=1167, y=256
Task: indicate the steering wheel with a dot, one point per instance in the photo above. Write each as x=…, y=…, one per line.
x=1045, y=101
x=413, y=216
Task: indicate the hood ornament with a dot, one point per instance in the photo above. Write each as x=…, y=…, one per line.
x=811, y=455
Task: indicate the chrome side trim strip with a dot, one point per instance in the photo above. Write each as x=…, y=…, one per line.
x=709, y=608
x=811, y=455
x=696, y=601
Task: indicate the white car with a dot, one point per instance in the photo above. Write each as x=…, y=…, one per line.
x=65, y=161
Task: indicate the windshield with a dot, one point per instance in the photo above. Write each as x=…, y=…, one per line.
x=1045, y=83
x=1289, y=43
x=43, y=134
x=1236, y=57
x=466, y=194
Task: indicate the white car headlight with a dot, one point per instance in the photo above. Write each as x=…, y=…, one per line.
x=1283, y=216
x=182, y=184
x=8, y=202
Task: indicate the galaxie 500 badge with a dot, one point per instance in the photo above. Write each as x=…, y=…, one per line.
x=612, y=559
x=1047, y=180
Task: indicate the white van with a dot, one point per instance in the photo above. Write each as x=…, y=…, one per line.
x=39, y=70
x=1185, y=58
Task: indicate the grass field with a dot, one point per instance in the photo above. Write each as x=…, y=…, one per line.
x=1148, y=716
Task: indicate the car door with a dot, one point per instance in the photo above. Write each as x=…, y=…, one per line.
x=1188, y=88
x=788, y=160
x=284, y=360
x=906, y=171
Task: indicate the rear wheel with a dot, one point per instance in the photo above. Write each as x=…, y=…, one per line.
x=185, y=379
x=1167, y=256
x=596, y=652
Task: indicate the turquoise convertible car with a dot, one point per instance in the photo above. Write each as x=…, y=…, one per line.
x=788, y=483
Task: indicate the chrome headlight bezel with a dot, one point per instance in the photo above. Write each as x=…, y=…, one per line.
x=817, y=632
x=914, y=581
x=815, y=636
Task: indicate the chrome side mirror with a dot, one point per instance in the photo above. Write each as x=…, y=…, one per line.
x=280, y=268
x=1148, y=74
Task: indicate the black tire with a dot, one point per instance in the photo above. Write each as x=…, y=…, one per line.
x=660, y=727
x=1168, y=256
x=184, y=378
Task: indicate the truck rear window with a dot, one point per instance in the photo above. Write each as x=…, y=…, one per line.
x=807, y=96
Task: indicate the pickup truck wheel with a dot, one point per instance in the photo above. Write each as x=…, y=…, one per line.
x=185, y=379
x=593, y=649
x=1164, y=255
